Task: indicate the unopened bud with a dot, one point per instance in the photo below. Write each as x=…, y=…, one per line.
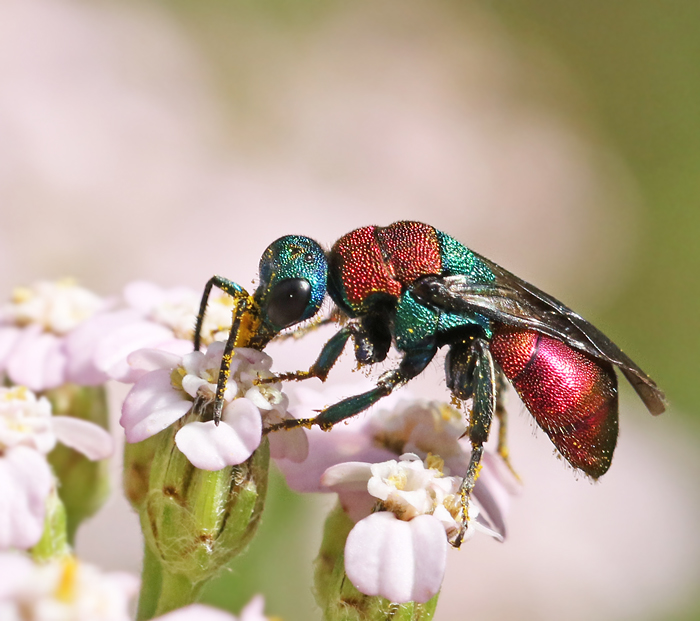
x=195, y=521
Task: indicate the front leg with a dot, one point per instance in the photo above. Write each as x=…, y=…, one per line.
x=227, y=286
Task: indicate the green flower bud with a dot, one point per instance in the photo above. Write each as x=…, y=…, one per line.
x=84, y=484
x=138, y=458
x=195, y=521
x=54, y=541
x=336, y=595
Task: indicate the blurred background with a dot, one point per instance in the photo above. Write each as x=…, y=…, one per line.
x=170, y=141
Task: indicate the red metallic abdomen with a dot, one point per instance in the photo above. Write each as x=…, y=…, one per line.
x=376, y=259
x=572, y=396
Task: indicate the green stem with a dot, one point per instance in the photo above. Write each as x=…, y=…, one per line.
x=151, y=581
x=177, y=591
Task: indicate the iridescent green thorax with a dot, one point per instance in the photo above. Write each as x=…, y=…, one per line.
x=293, y=257
x=458, y=259
x=374, y=264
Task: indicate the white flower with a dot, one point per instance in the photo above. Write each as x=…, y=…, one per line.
x=171, y=385
x=27, y=421
x=62, y=590
x=34, y=330
x=154, y=317
x=28, y=432
x=399, y=552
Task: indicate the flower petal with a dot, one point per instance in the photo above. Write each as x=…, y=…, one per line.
x=211, y=448
x=85, y=437
x=9, y=335
x=150, y=359
x=254, y=610
x=113, y=349
x=351, y=476
x=81, y=346
x=37, y=360
x=151, y=406
x=25, y=481
x=401, y=561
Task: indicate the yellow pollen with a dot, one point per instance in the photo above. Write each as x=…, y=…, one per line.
x=398, y=480
x=66, y=591
x=21, y=294
x=176, y=377
x=18, y=393
x=435, y=462
x=447, y=413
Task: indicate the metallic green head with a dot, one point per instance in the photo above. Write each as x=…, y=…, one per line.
x=293, y=275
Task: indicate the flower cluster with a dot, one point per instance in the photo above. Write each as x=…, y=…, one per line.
x=391, y=470
x=200, y=487
x=28, y=432
x=69, y=590
x=38, y=334
x=170, y=386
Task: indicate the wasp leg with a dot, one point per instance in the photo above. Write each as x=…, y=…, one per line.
x=324, y=363
x=227, y=286
x=412, y=364
x=483, y=377
x=238, y=311
x=502, y=416
x=372, y=341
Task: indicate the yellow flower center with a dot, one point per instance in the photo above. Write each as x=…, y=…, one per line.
x=66, y=590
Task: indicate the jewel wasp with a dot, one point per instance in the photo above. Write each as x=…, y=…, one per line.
x=415, y=287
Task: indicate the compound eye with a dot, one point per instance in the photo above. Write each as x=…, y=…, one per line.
x=288, y=300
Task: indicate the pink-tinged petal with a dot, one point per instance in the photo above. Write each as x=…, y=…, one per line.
x=401, y=561
x=37, y=360
x=9, y=335
x=150, y=359
x=292, y=445
x=14, y=569
x=351, y=476
x=151, y=406
x=25, y=481
x=212, y=448
x=197, y=612
x=174, y=347
x=357, y=505
x=254, y=610
x=85, y=437
x=494, y=487
x=345, y=444
x=113, y=348
x=192, y=383
x=81, y=345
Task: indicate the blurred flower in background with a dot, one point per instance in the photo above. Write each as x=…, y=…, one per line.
x=172, y=142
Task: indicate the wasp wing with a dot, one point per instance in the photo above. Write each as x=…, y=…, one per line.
x=510, y=300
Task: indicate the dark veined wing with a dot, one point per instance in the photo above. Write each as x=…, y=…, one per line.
x=510, y=300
